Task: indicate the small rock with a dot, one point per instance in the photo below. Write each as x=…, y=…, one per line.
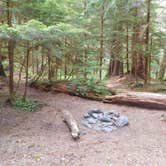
x=86, y=124
x=105, y=119
x=122, y=121
x=86, y=116
x=91, y=120
x=97, y=111
x=107, y=129
x=163, y=117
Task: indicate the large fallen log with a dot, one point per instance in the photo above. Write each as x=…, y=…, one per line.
x=68, y=87
x=72, y=124
x=140, y=99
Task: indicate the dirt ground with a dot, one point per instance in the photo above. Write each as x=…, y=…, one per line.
x=42, y=139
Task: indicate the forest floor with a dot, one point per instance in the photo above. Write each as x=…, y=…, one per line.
x=42, y=139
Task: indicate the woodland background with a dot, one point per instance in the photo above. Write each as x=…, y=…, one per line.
x=85, y=40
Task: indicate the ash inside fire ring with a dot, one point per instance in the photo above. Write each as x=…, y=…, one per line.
x=104, y=121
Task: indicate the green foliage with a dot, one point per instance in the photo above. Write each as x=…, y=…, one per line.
x=28, y=104
x=96, y=87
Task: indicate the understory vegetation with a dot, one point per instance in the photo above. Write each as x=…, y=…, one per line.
x=28, y=104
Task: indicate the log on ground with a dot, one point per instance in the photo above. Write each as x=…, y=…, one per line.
x=140, y=99
x=72, y=124
x=67, y=87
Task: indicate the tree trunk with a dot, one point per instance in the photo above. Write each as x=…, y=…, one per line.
x=26, y=69
x=138, y=67
x=147, y=56
x=162, y=67
x=65, y=60
x=2, y=72
x=127, y=48
x=49, y=68
x=116, y=60
x=101, y=41
x=21, y=68
x=11, y=45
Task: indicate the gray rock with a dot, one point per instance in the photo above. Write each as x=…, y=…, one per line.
x=91, y=120
x=107, y=129
x=105, y=119
x=86, y=124
x=122, y=121
x=113, y=114
x=97, y=116
x=97, y=111
x=86, y=116
x=107, y=122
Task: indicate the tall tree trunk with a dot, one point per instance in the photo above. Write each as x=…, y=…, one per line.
x=127, y=48
x=26, y=70
x=65, y=59
x=2, y=71
x=150, y=57
x=138, y=67
x=21, y=68
x=101, y=41
x=147, y=57
x=116, y=60
x=49, y=68
x=11, y=45
x=162, y=71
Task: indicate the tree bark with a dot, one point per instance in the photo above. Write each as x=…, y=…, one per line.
x=147, y=56
x=26, y=70
x=11, y=45
x=127, y=48
x=138, y=67
x=116, y=60
x=2, y=72
x=101, y=40
x=162, y=67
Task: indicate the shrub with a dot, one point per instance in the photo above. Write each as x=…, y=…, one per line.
x=28, y=104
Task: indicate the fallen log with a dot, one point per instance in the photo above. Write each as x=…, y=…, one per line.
x=72, y=124
x=68, y=87
x=140, y=99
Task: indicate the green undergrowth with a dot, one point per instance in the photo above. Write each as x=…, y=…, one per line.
x=27, y=104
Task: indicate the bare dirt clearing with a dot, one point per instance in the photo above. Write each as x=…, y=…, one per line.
x=41, y=138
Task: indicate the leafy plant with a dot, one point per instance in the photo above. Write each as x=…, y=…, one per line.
x=28, y=104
